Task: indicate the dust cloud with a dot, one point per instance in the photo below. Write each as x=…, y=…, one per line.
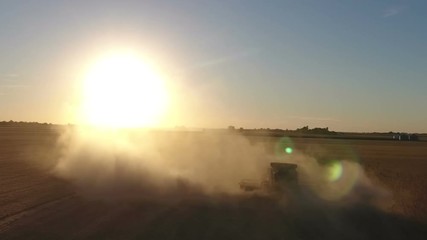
x=144, y=162
x=195, y=176
x=115, y=164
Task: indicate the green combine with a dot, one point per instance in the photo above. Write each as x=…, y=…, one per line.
x=281, y=177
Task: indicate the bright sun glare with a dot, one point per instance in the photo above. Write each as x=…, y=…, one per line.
x=121, y=90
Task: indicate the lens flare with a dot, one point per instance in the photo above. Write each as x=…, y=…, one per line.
x=284, y=146
x=332, y=170
x=340, y=177
x=335, y=171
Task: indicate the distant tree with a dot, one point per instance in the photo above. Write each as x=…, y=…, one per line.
x=303, y=129
x=231, y=128
x=307, y=130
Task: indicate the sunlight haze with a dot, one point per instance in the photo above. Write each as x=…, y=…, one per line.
x=121, y=90
x=346, y=65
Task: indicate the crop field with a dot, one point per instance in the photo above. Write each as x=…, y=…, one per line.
x=398, y=166
x=36, y=204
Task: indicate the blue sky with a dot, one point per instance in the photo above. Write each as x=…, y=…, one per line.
x=348, y=65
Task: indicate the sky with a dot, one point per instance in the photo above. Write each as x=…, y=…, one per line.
x=347, y=65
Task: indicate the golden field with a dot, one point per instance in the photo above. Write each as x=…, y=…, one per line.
x=36, y=204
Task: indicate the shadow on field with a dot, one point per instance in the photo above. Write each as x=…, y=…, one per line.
x=264, y=218
x=218, y=217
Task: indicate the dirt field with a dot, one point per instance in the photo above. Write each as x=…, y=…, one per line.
x=36, y=205
x=400, y=167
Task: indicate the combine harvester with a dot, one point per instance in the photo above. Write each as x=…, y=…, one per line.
x=281, y=177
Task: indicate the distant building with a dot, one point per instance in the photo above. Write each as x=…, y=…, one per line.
x=406, y=137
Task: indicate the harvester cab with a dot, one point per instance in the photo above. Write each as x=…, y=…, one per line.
x=283, y=176
x=280, y=177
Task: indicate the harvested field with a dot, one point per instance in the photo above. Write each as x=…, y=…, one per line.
x=34, y=204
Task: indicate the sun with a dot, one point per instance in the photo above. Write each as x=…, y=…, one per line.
x=122, y=90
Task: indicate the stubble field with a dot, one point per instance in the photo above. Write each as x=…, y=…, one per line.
x=35, y=204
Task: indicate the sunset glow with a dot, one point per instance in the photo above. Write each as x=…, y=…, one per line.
x=121, y=90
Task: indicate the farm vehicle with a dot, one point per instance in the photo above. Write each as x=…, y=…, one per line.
x=280, y=177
